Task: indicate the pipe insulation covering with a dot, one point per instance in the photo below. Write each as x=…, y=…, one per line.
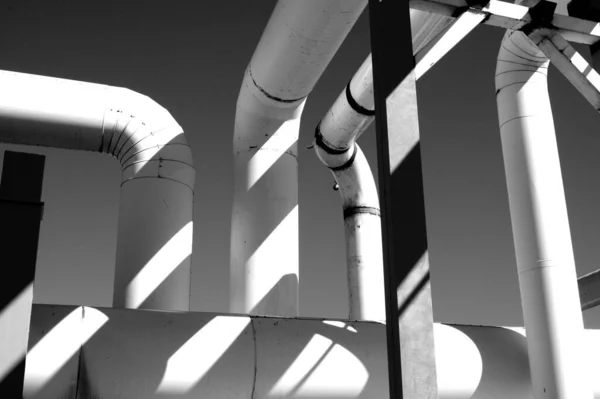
x=154, y=240
x=542, y=239
x=213, y=356
x=297, y=44
x=335, y=145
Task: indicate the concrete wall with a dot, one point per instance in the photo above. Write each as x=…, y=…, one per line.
x=83, y=352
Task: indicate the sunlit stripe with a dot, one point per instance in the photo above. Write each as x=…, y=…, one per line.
x=460, y=28
x=186, y=367
x=299, y=369
x=504, y=9
x=268, y=268
x=55, y=349
x=160, y=266
x=14, y=321
x=456, y=381
x=322, y=369
x=266, y=156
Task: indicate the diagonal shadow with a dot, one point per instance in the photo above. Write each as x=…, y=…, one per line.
x=263, y=219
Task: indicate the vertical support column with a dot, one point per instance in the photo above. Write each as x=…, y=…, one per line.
x=411, y=357
x=20, y=215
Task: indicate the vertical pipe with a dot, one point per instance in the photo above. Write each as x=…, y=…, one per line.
x=540, y=225
x=297, y=44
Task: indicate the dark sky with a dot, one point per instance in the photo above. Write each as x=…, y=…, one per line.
x=190, y=57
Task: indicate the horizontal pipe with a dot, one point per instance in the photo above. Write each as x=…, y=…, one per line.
x=157, y=179
x=141, y=354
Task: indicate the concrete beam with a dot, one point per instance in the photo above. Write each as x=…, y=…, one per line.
x=569, y=62
x=589, y=290
x=513, y=16
x=409, y=316
x=21, y=215
x=441, y=45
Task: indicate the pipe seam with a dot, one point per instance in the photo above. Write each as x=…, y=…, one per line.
x=355, y=210
x=272, y=97
x=346, y=164
x=355, y=105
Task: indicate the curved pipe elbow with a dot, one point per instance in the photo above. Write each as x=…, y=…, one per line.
x=298, y=43
x=354, y=177
x=519, y=61
x=522, y=83
x=146, y=139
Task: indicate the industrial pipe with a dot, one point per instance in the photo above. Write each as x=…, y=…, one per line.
x=335, y=145
x=297, y=44
x=208, y=355
x=545, y=261
x=154, y=241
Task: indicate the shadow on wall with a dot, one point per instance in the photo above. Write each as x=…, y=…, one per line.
x=141, y=354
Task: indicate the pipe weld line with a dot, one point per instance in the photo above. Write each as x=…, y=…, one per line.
x=158, y=177
x=120, y=136
x=148, y=148
x=322, y=144
x=515, y=118
x=521, y=70
x=355, y=210
x=347, y=164
x=158, y=160
x=272, y=97
x=355, y=105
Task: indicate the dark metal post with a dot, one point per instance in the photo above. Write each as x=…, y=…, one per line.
x=411, y=356
x=20, y=217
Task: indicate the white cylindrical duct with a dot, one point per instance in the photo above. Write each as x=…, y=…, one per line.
x=362, y=225
x=335, y=145
x=296, y=46
x=154, y=241
x=545, y=261
x=208, y=355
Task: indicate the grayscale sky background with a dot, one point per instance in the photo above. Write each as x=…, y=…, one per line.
x=190, y=57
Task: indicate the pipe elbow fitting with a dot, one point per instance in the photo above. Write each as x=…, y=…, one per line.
x=519, y=61
x=146, y=140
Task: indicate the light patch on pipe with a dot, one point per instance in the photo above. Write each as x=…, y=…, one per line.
x=266, y=156
x=458, y=363
x=199, y=354
x=47, y=357
x=162, y=264
x=322, y=369
x=14, y=316
x=596, y=30
x=263, y=279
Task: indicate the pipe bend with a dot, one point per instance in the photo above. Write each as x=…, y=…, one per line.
x=145, y=138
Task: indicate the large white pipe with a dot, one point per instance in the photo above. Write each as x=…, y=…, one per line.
x=154, y=241
x=545, y=261
x=213, y=356
x=335, y=145
x=297, y=44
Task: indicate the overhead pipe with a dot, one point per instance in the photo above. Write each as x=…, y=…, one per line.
x=542, y=239
x=154, y=242
x=336, y=147
x=297, y=44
